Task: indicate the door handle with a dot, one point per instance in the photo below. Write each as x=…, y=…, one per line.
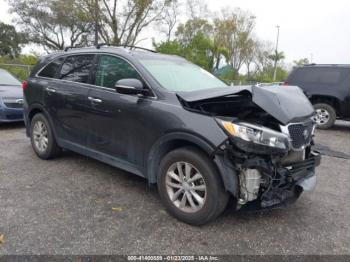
x=95, y=100
x=51, y=90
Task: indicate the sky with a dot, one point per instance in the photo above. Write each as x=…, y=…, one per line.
x=313, y=29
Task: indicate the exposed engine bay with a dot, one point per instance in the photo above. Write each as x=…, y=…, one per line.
x=270, y=137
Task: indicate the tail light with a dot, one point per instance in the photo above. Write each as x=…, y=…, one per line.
x=285, y=83
x=24, y=85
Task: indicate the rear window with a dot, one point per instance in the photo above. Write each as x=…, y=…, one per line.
x=51, y=70
x=327, y=76
x=77, y=68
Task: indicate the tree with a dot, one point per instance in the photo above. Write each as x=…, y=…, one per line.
x=187, y=31
x=261, y=56
x=197, y=9
x=10, y=40
x=192, y=42
x=170, y=19
x=169, y=47
x=302, y=61
x=53, y=24
x=121, y=22
x=276, y=57
x=235, y=29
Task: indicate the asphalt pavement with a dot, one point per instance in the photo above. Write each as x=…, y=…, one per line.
x=76, y=205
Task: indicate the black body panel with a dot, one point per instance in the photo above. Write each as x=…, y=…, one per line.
x=325, y=83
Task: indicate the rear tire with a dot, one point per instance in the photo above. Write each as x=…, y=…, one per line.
x=42, y=137
x=200, y=186
x=325, y=115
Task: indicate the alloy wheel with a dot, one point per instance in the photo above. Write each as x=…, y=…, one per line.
x=322, y=117
x=40, y=136
x=186, y=187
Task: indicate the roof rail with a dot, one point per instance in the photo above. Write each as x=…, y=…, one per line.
x=138, y=47
x=98, y=46
x=71, y=47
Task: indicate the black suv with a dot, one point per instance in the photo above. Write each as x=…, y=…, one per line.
x=173, y=123
x=328, y=88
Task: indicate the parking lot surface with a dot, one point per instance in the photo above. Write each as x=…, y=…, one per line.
x=76, y=205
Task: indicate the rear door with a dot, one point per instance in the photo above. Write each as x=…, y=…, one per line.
x=66, y=98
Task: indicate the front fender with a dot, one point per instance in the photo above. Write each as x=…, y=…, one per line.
x=164, y=144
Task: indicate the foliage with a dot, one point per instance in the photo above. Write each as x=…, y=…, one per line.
x=266, y=75
x=169, y=19
x=208, y=41
x=52, y=24
x=121, y=22
x=227, y=73
x=227, y=38
x=19, y=66
x=10, y=40
x=302, y=61
x=194, y=41
x=234, y=32
x=276, y=56
x=170, y=47
x=56, y=24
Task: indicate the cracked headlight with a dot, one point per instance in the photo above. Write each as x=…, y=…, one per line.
x=257, y=134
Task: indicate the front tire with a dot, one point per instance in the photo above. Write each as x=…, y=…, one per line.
x=190, y=186
x=325, y=115
x=42, y=137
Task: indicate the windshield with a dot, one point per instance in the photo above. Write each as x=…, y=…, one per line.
x=6, y=79
x=181, y=75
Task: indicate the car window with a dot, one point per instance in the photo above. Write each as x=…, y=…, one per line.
x=330, y=76
x=111, y=69
x=51, y=70
x=77, y=68
x=6, y=79
x=181, y=75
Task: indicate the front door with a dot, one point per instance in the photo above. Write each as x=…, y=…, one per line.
x=116, y=120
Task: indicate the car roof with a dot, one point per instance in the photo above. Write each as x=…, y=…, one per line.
x=324, y=66
x=131, y=52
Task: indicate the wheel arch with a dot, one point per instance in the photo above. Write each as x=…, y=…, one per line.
x=177, y=140
x=36, y=109
x=331, y=100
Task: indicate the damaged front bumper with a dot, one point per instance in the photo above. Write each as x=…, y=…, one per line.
x=290, y=181
x=269, y=180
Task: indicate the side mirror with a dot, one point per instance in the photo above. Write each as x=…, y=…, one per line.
x=130, y=86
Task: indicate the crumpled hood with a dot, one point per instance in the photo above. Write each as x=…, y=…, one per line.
x=285, y=103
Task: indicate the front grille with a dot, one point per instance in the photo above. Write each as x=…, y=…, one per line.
x=13, y=105
x=301, y=133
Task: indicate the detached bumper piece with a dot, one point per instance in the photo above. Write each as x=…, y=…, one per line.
x=288, y=182
x=297, y=170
